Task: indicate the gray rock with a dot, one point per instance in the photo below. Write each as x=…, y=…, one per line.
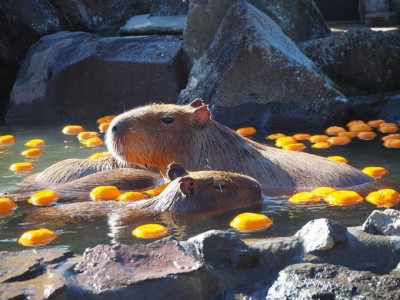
x=321, y=234
x=300, y=20
x=32, y=274
x=253, y=74
x=114, y=74
x=390, y=110
x=147, y=24
x=324, y=281
x=372, y=6
x=386, y=222
x=359, y=61
x=382, y=19
x=169, y=7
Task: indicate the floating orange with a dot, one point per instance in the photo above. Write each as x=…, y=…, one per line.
x=32, y=152
x=150, y=231
x=304, y=198
x=355, y=122
x=157, y=190
x=301, y=136
x=334, y=130
x=360, y=127
x=131, y=196
x=7, y=140
x=105, y=192
x=44, y=198
x=322, y=191
x=343, y=198
x=338, y=159
x=321, y=145
x=392, y=143
x=7, y=206
x=375, y=123
x=388, y=127
x=250, y=222
x=366, y=135
x=318, y=138
x=22, y=166
x=36, y=143
x=285, y=140
x=294, y=147
x=246, y=131
x=274, y=136
x=38, y=237
x=93, y=142
x=375, y=172
x=348, y=134
x=104, y=126
x=339, y=140
x=72, y=129
x=393, y=136
x=107, y=118
x=98, y=155
x=84, y=135
x=384, y=198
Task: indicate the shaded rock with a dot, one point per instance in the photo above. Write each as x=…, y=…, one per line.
x=146, y=24
x=253, y=74
x=386, y=222
x=321, y=234
x=359, y=60
x=372, y=6
x=169, y=7
x=32, y=274
x=300, y=20
x=157, y=270
x=390, y=110
x=381, y=19
x=114, y=73
x=324, y=281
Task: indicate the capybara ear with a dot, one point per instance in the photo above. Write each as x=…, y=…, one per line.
x=186, y=185
x=197, y=102
x=175, y=170
x=202, y=114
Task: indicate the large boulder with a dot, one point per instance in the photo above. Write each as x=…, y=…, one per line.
x=359, y=61
x=299, y=19
x=169, y=7
x=385, y=222
x=74, y=75
x=253, y=74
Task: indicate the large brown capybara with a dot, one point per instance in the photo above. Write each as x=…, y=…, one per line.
x=79, y=189
x=202, y=191
x=158, y=134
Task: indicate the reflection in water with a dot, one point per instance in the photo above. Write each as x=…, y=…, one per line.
x=79, y=231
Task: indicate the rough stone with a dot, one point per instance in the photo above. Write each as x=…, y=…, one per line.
x=390, y=110
x=169, y=7
x=253, y=74
x=386, y=222
x=372, y=6
x=324, y=281
x=300, y=20
x=32, y=274
x=381, y=19
x=115, y=74
x=321, y=234
x=147, y=24
x=359, y=61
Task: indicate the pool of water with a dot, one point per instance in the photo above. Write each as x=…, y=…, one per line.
x=77, y=234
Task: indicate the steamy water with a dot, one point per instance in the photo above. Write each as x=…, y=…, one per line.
x=78, y=234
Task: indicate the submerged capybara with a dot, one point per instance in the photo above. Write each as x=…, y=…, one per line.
x=124, y=179
x=200, y=191
x=158, y=134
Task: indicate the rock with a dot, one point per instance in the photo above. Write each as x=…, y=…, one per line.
x=300, y=20
x=146, y=24
x=169, y=7
x=386, y=222
x=115, y=74
x=153, y=271
x=372, y=6
x=321, y=234
x=382, y=19
x=32, y=274
x=324, y=281
x=390, y=110
x=359, y=61
x=253, y=74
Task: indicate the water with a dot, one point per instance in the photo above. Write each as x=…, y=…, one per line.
x=77, y=234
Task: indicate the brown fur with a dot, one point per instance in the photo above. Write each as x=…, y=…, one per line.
x=200, y=144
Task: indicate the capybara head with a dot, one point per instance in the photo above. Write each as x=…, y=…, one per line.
x=157, y=134
x=206, y=191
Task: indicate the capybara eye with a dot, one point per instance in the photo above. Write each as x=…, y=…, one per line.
x=168, y=120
